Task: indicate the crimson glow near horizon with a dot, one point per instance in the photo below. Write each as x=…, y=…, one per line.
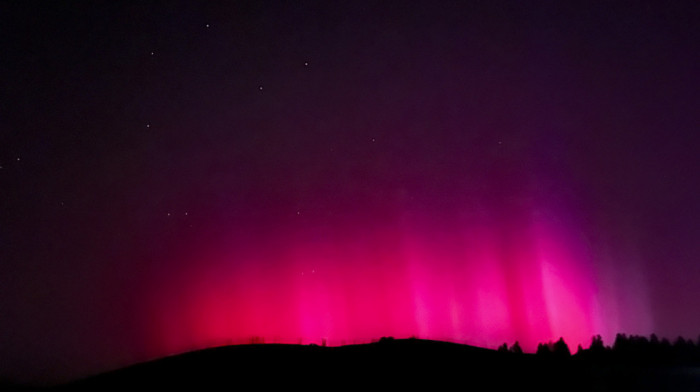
x=528, y=281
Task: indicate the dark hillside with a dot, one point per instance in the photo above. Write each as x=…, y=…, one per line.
x=389, y=364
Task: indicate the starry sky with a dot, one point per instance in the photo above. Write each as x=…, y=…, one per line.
x=175, y=176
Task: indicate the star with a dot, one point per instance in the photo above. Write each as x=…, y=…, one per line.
x=260, y=88
x=306, y=63
x=207, y=25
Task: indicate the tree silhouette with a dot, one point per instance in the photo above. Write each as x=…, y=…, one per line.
x=597, y=345
x=543, y=350
x=631, y=349
x=515, y=348
x=621, y=343
x=653, y=339
x=561, y=349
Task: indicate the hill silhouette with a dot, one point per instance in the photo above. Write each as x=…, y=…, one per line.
x=392, y=363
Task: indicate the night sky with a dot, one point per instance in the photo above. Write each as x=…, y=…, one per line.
x=177, y=176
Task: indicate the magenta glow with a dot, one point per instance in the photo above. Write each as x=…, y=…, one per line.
x=481, y=285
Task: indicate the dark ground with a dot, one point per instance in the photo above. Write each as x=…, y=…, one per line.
x=394, y=364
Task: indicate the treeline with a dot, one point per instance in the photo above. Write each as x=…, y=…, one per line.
x=632, y=348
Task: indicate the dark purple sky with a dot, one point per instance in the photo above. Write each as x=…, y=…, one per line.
x=175, y=176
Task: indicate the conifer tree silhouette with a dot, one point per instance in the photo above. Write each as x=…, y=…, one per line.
x=515, y=348
x=561, y=349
